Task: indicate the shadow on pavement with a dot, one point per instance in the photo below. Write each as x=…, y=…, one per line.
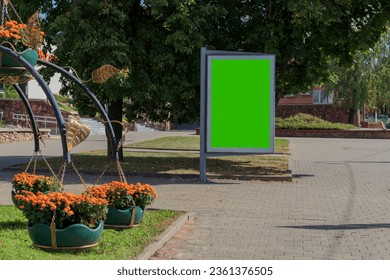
x=340, y=227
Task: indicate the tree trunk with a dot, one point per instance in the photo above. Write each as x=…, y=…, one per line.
x=115, y=114
x=278, y=95
x=351, y=116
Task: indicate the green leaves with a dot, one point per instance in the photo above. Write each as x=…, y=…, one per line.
x=159, y=40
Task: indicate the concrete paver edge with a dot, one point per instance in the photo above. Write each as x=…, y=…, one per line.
x=165, y=236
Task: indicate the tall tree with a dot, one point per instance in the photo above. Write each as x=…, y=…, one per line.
x=377, y=74
x=366, y=82
x=159, y=41
x=348, y=84
x=302, y=34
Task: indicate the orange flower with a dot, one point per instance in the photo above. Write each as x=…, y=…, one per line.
x=11, y=34
x=122, y=195
x=77, y=208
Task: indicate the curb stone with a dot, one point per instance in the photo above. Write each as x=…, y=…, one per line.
x=165, y=236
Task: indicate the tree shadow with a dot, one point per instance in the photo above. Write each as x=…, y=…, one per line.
x=167, y=165
x=155, y=163
x=19, y=224
x=302, y=175
x=340, y=227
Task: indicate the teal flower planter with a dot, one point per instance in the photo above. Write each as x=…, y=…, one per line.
x=74, y=237
x=117, y=218
x=29, y=54
x=11, y=67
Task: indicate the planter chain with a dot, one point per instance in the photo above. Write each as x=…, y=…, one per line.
x=34, y=157
x=78, y=174
x=120, y=171
x=101, y=174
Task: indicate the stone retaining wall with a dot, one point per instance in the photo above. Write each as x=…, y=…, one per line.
x=10, y=106
x=360, y=134
x=19, y=134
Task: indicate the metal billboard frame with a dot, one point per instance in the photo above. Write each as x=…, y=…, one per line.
x=205, y=118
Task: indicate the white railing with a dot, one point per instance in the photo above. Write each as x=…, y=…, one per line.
x=38, y=119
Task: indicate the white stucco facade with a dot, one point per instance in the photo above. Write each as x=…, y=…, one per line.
x=35, y=91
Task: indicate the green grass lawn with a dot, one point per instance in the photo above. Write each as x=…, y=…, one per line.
x=15, y=244
x=180, y=162
x=190, y=143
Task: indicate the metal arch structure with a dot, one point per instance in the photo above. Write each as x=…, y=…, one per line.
x=34, y=125
x=57, y=112
x=92, y=97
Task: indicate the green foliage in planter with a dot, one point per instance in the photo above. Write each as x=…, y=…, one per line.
x=306, y=121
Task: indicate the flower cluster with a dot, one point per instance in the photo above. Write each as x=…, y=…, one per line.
x=34, y=183
x=47, y=56
x=144, y=194
x=66, y=208
x=122, y=195
x=11, y=35
x=11, y=32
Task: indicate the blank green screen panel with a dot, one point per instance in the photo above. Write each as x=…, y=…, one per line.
x=240, y=104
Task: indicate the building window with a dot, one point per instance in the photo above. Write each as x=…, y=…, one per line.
x=320, y=96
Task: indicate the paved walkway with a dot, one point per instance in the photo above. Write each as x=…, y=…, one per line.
x=336, y=208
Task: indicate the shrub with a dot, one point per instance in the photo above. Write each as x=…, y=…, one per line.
x=306, y=121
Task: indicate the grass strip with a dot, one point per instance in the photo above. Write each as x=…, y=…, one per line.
x=181, y=162
x=190, y=143
x=15, y=244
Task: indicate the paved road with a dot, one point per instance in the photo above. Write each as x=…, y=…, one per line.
x=337, y=207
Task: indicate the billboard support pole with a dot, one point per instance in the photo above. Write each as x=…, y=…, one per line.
x=203, y=117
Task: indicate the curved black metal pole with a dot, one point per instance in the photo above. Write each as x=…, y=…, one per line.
x=67, y=74
x=31, y=115
x=60, y=120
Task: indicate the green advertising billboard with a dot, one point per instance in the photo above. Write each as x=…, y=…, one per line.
x=240, y=103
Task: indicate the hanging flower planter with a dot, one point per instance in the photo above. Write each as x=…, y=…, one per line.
x=126, y=202
x=74, y=237
x=30, y=55
x=126, y=218
x=10, y=67
x=63, y=221
x=27, y=41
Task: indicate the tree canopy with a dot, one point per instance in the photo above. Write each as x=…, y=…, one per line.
x=377, y=74
x=160, y=40
x=366, y=82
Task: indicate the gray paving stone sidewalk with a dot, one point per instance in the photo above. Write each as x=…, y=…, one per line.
x=337, y=207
